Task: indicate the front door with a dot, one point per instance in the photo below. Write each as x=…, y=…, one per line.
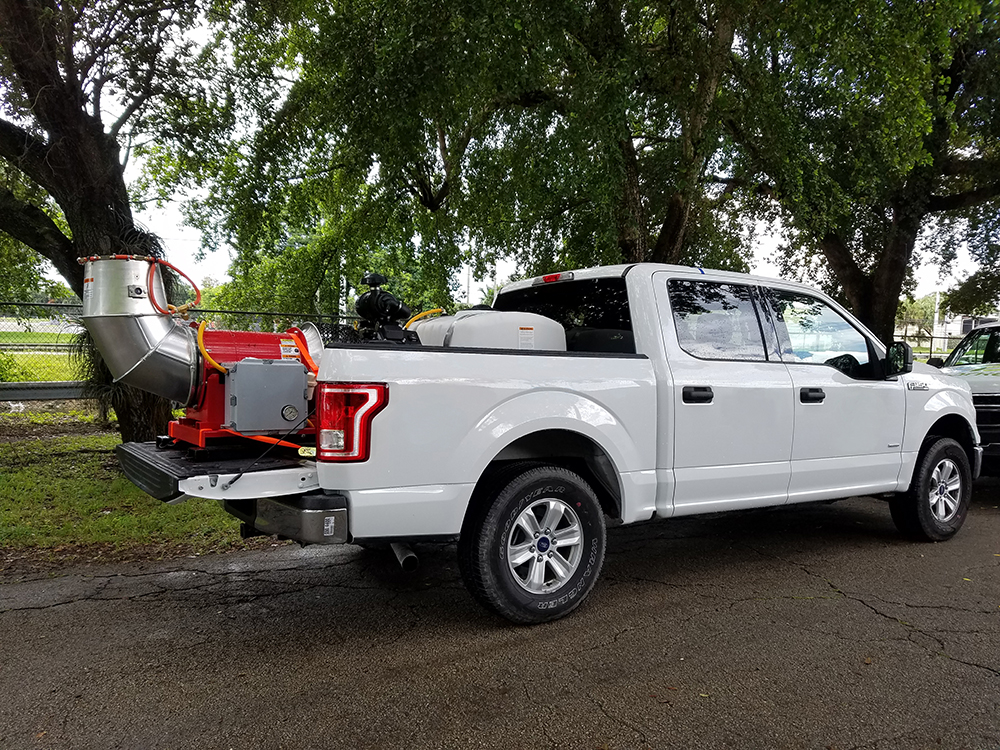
x=848, y=418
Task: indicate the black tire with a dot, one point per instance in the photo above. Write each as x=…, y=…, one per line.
x=935, y=506
x=554, y=578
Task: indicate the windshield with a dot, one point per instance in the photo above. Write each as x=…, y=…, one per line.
x=979, y=347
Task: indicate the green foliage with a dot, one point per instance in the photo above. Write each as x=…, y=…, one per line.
x=869, y=123
x=412, y=138
x=20, y=270
x=10, y=369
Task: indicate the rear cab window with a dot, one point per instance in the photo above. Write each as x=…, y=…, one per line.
x=715, y=320
x=594, y=312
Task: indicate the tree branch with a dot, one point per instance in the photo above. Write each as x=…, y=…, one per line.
x=964, y=199
x=28, y=37
x=146, y=90
x=732, y=184
x=26, y=152
x=536, y=98
x=27, y=223
x=839, y=256
x=955, y=166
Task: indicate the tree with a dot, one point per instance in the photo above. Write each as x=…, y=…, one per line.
x=869, y=123
x=63, y=67
x=20, y=271
x=424, y=134
x=917, y=313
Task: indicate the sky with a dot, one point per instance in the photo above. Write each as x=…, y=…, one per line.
x=183, y=244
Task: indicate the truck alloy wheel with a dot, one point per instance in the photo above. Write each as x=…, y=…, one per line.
x=533, y=548
x=935, y=506
x=544, y=546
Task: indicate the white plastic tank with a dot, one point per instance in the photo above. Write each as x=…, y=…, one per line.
x=492, y=329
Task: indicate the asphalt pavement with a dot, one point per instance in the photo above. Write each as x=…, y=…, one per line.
x=803, y=627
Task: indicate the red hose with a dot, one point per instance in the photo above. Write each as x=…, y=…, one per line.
x=149, y=283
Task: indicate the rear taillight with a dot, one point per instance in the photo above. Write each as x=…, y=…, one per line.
x=345, y=414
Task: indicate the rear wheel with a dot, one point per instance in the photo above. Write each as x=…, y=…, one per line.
x=532, y=550
x=935, y=506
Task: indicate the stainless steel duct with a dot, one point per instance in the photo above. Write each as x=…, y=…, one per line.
x=141, y=347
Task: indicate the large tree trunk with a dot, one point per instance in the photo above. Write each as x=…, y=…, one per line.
x=874, y=297
x=68, y=153
x=669, y=246
x=632, y=238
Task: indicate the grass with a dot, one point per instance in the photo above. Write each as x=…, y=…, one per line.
x=31, y=366
x=11, y=420
x=35, y=337
x=68, y=491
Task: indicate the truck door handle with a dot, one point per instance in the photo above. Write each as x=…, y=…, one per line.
x=697, y=394
x=811, y=395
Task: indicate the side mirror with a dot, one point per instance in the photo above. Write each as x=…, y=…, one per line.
x=898, y=359
x=935, y=362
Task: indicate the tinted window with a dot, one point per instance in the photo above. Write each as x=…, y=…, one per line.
x=594, y=312
x=716, y=321
x=978, y=348
x=812, y=332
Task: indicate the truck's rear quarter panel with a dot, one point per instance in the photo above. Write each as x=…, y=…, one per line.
x=450, y=412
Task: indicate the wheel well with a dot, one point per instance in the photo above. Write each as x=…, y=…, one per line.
x=571, y=450
x=955, y=427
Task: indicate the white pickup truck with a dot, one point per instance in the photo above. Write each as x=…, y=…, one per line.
x=627, y=393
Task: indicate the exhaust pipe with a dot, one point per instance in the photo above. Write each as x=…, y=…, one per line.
x=141, y=347
x=407, y=558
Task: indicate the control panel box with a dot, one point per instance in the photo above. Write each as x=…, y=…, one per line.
x=266, y=396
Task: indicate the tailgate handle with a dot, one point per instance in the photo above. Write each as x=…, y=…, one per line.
x=697, y=394
x=811, y=395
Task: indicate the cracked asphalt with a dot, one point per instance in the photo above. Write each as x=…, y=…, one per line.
x=805, y=627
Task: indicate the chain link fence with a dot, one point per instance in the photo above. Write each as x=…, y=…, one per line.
x=925, y=347
x=37, y=340
x=36, y=343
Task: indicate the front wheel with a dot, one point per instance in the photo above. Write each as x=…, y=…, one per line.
x=532, y=550
x=935, y=506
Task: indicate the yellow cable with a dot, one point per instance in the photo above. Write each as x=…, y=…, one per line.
x=204, y=352
x=418, y=316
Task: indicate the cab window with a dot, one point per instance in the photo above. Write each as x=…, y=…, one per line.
x=811, y=332
x=716, y=321
x=594, y=312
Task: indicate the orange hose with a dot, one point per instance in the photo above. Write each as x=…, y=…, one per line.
x=300, y=339
x=424, y=314
x=265, y=439
x=149, y=286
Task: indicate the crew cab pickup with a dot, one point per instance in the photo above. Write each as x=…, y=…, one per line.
x=625, y=393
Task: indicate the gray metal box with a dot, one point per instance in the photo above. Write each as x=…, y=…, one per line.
x=265, y=396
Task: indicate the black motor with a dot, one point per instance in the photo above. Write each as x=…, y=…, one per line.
x=381, y=312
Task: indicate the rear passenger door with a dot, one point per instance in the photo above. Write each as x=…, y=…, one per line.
x=731, y=434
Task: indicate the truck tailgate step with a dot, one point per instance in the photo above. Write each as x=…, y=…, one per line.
x=157, y=470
